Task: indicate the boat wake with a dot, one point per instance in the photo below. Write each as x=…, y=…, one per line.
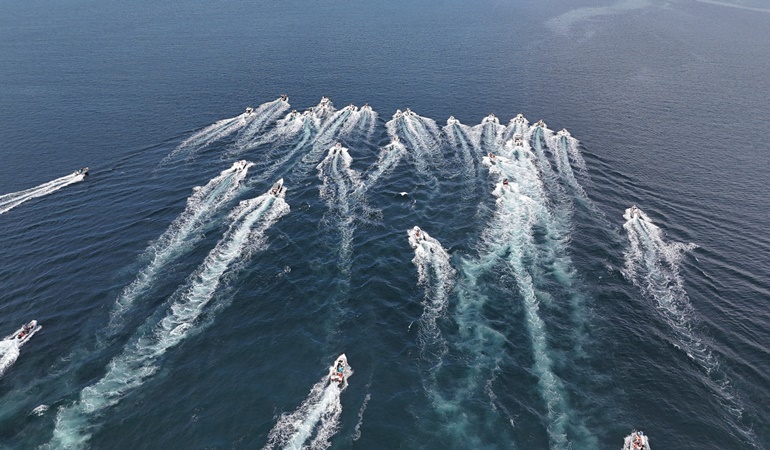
x=14, y=199
x=9, y=353
x=339, y=184
x=180, y=236
x=266, y=114
x=387, y=160
x=436, y=275
x=317, y=419
x=140, y=358
x=422, y=137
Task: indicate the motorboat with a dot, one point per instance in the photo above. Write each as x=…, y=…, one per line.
x=82, y=171
x=541, y=124
x=519, y=118
x=398, y=114
x=240, y=165
x=278, y=190
x=491, y=118
x=366, y=107
x=284, y=98
x=26, y=331
x=636, y=441
x=324, y=101
x=339, y=372
x=563, y=133
x=416, y=235
x=635, y=212
x=293, y=115
x=492, y=158
x=351, y=107
x=395, y=140
x=452, y=121
x=249, y=110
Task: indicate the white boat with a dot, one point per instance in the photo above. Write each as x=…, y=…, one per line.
x=249, y=110
x=278, y=190
x=398, y=114
x=352, y=108
x=82, y=171
x=366, y=107
x=489, y=119
x=284, y=98
x=519, y=118
x=338, y=373
x=416, y=235
x=636, y=213
x=26, y=331
x=563, y=133
x=636, y=441
x=408, y=113
x=541, y=124
x=452, y=121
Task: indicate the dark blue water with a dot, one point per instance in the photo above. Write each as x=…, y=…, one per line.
x=184, y=306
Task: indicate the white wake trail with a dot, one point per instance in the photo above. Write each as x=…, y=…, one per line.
x=387, y=160
x=436, y=275
x=422, y=137
x=180, y=235
x=264, y=115
x=339, y=184
x=9, y=353
x=489, y=134
x=140, y=358
x=317, y=417
x=14, y=199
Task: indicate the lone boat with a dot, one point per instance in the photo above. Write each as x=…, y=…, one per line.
x=82, y=171
x=277, y=190
x=26, y=331
x=636, y=441
x=338, y=373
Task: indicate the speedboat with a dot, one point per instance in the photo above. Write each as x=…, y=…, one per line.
x=636, y=441
x=366, y=107
x=284, y=98
x=26, y=331
x=398, y=114
x=324, y=101
x=82, y=171
x=563, y=133
x=277, y=190
x=249, y=110
x=417, y=236
x=452, y=121
x=240, y=165
x=491, y=157
x=339, y=371
x=489, y=119
x=352, y=107
x=294, y=114
x=636, y=213
x=519, y=118
x=541, y=124
x=408, y=112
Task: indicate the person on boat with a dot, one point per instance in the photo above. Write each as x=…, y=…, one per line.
x=505, y=182
x=491, y=156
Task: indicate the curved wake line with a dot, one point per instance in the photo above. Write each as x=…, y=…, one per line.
x=422, y=137
x=139, y=360
x=180, y=235
x=436, y=274
x=264, y=115
x=319, y=415
x=9, y=353
x=14, y=199
x=339, y=184
x=387, y=161
x=652, y=265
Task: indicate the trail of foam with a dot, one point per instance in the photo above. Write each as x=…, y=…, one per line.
x=422, y=137
x=436, y=274
x=212, y=133
x=387, y=160
x=180, y=235
x=489, y=134
x=266, y=114
x=561, y=146
x=652, y=265
x=339, y=184
x=461, y=137
x=9, y=353
x=14, y=199
x=330, y=131
x=362, y=123
x=319, y=414
x=140, y=358
x=519, y=125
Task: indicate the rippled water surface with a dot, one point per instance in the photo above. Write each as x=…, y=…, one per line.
x=486, y=275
